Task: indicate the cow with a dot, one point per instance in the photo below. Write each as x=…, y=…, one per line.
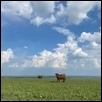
x=40, y=77
x=60, y=77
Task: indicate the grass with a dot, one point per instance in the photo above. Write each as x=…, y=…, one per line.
x=28, y=89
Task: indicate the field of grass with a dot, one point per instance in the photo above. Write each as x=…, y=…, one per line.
x=49, y=89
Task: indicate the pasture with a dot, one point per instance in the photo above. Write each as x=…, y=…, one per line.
x=28, y=89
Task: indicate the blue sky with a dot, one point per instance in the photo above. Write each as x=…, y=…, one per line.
x=45, y=37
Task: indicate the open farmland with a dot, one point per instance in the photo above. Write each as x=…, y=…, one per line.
x=81, y=89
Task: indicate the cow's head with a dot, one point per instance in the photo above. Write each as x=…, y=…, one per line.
x=56, y=74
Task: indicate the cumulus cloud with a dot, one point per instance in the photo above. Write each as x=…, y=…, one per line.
x=61, y=10
x=43, y=8
x=54, y=60
x=86, y=53
x=17, y=8
x=39, y=12
x=37, y=20
x=94, y=40
x=51, y=19
x=65, y=53
x=59, y=57
x=40, y=20
x=78, y=52
x=35, y=11
x=6, y=56
x=96, y=36
x=71, y=45
x=93, y=46
x=76, y=14
x=46, y=58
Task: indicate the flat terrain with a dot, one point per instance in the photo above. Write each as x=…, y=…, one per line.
x=81, y=89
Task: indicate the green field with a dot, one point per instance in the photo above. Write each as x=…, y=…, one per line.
x=73, y=89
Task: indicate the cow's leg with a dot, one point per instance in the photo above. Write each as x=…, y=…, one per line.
x=58, y=80
x=63, y=80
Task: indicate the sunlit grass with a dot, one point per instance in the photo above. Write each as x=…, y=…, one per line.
x=50, y=89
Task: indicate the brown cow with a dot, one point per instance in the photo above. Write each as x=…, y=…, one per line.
x=60, y=77
x=40, y=77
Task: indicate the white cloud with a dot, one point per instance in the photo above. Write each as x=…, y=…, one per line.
x=39, y=12
x=46, y=58
x=77, y=13
x=93, y=46
x=40, y=20
x=25, y=47
x=78, y=52
x=97, y=63
x=63, y=31
x=6, y=56
x=37, y=20
x=43, y=8
x=17, y=8
x=15, y=65
x=65, y=54
x=61, y=10
x=51, y=19
x=89, y=52
x=71, y=45
x=96, y=36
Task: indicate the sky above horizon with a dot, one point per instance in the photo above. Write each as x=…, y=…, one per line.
x=48, y=37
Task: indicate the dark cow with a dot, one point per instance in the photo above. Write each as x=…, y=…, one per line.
x=60, y=77
x=40, y=77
